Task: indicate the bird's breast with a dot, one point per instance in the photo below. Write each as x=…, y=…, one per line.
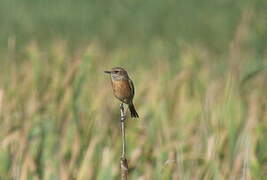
x=122, y=90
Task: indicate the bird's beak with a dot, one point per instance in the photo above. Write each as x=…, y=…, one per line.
x=108, y=72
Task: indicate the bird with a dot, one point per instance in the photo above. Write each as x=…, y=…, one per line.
x=123, y=88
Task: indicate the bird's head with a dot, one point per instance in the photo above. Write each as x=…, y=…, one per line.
x=117, y=73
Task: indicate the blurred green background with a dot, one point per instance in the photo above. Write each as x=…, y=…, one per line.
x=199, y=69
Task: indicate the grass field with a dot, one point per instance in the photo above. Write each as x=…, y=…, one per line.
x=202, y=103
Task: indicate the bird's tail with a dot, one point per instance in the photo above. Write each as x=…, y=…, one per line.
x=133, y=111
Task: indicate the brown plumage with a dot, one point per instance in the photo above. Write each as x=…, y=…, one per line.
x=123, y=88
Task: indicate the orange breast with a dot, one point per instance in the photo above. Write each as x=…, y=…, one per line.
x=122, y=90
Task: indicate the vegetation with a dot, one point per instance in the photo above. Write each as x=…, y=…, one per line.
x=201, y=89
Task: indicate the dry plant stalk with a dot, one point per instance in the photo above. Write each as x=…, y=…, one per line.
x=123, y=162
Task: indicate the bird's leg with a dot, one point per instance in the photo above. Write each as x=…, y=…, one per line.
x=123, y=116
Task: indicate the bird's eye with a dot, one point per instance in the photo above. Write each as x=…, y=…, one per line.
x=116, y=71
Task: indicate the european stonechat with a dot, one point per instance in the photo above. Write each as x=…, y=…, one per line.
x=123, y=88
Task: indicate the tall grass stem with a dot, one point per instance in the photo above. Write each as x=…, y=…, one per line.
x=123, y=161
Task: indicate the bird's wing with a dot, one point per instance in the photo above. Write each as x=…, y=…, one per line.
x=131, y=86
